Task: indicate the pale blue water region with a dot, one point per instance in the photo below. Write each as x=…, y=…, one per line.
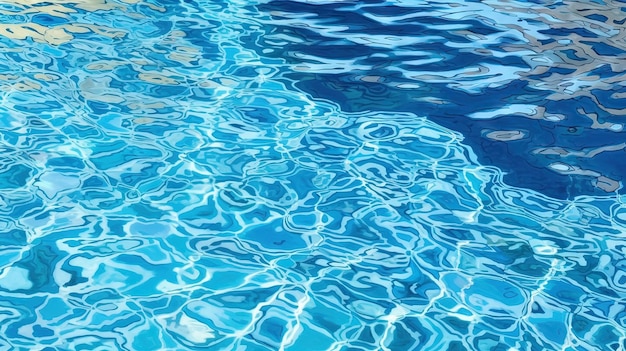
x=312, y=175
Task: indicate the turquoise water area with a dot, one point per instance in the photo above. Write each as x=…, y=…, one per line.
x=312, y=175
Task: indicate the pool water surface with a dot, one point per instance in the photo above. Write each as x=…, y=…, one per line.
x=312, y=175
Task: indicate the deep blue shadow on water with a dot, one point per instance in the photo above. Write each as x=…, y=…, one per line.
x=521, y=160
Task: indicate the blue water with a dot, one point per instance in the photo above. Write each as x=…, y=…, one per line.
x=312, y=175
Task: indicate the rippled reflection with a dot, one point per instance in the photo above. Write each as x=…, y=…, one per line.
x=535, y=89
x=166, y=185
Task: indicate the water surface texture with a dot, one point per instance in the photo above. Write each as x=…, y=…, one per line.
x=311, y=175
x=536, y=88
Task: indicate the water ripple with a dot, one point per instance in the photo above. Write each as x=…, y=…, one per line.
x=539, y=84
x=166, y=183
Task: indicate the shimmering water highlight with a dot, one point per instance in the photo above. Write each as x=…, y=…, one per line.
x=166, y=184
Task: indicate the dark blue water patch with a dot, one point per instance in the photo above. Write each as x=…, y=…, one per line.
x=568, y=294
x=607, y=99
x=335, y=50
x=457, y=325
x=15, y=176
x=456, y=345
x=273, y=328
x=609, y=336
x=407, y=28
x=457, y=235
x=24, y=208
x=300, y=7
x=339, y=50
x=392, y=10
x=551, y=71
x=347, y=92
x=13, y=238
x=597, y=17
x=546, y=41
x=565, y=32
x=42, y=332
x=366, y=335
x=590, y=278
x=201, y=38
x=499, y=322
x=614, y=160
x=521, y=164
x=571, y=54
x=258, y=115
x=604, y=71
x=603, y=49
x=422, y=335
x=48, y=20
x=246, y=71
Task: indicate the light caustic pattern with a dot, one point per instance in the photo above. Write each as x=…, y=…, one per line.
x=165, y=187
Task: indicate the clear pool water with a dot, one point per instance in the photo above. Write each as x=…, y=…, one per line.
x=312, y=175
